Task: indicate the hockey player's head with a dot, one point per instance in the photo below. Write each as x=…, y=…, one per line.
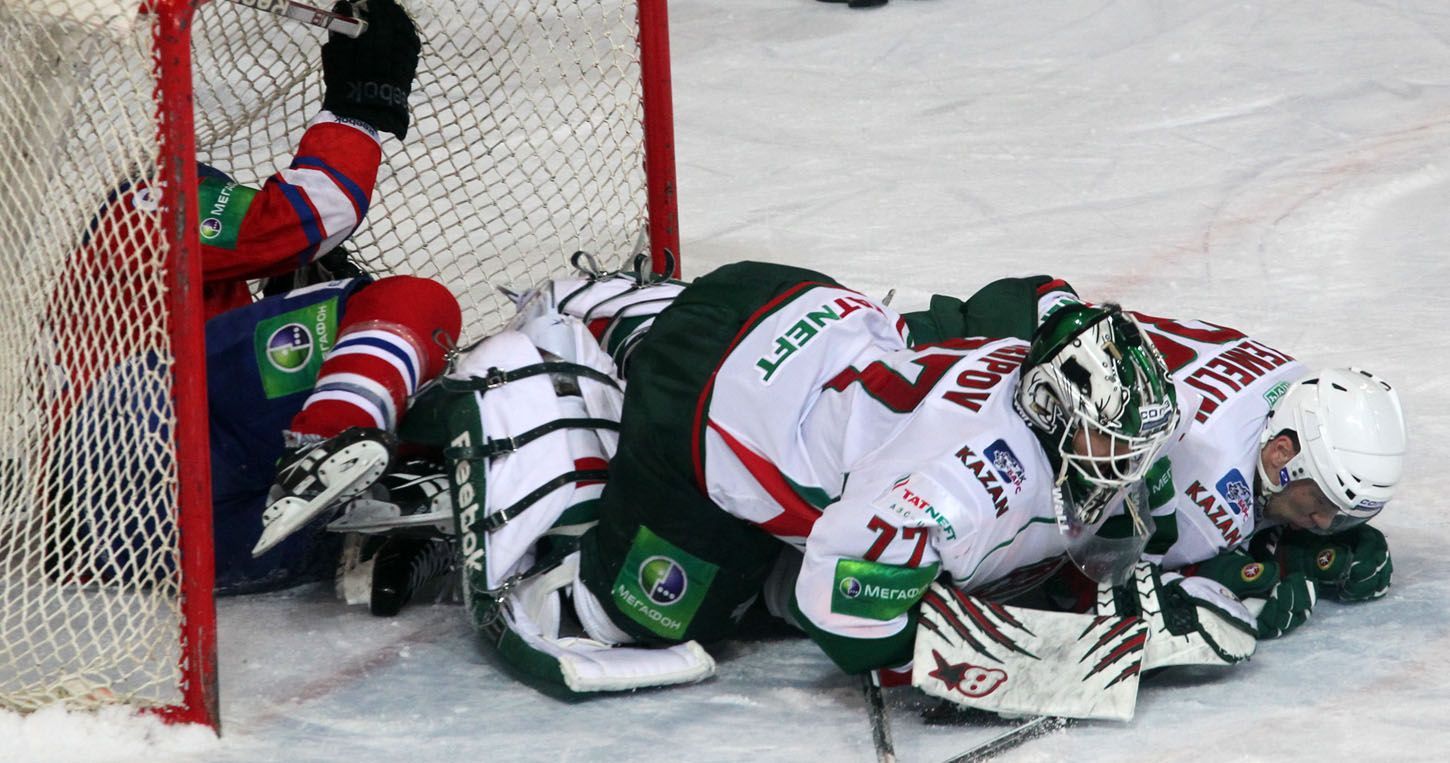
x=1333, y=450
x=1097, y=394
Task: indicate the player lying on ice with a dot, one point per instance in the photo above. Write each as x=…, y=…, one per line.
x=770, y=404
x=1268, y=489
x=329, y=348
x=892, y=453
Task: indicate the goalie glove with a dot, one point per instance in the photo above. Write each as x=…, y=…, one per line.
x=1191, y=620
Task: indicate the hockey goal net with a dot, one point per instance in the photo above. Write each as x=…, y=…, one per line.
x=540, y=127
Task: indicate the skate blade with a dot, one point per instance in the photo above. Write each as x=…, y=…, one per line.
x=293, y=512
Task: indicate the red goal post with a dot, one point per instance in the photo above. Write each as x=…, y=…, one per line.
x=540, y=127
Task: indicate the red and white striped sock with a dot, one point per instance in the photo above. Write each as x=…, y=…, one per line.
x=384, y=351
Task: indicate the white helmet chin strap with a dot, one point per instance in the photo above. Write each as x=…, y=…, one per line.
x=1267, y=486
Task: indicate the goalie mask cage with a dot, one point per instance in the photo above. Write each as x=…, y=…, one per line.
x=540, y=127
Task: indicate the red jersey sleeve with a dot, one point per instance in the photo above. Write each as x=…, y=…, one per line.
x=300, y=212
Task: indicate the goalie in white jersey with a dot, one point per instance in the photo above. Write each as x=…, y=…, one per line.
x=1295, y=460
x=769, y=404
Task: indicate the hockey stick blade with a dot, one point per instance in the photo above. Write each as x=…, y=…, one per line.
x=307, y=14
x=880, y=721
x=1026, y=732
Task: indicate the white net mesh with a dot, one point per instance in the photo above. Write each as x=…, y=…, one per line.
x=527, y=143
x=88, y=549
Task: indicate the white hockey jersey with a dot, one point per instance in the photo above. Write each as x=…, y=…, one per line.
x=885, y=463
x=1203, y=486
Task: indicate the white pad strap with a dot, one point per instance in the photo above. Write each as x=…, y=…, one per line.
x=1019, y=661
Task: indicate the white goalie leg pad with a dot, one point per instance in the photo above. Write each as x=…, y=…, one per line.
x=532, y=615
x=1191, y=620
x=618, y=309
x=1018, y=661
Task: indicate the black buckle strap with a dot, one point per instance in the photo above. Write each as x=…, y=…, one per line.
x=497, y=446
x=503, y=516
x=496, y=377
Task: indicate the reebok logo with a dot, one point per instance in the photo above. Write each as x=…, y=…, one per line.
x=374, y=92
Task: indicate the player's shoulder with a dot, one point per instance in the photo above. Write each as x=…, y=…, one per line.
x=1211, y=479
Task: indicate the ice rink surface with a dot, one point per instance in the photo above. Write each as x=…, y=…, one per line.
x=1279, y=167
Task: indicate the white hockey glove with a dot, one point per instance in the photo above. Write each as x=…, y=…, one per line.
x=1191, y=620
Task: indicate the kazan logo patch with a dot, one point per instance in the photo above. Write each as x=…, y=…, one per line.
x=1235, y=491
x=290, y=347
x=663, y=580
x=1251, y=572
x=1008, y=467
x=1325, y=559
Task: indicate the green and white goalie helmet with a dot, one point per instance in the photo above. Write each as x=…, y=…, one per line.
x=1099, y=398
x=1351, y=433
x=1098, y=395
x=1098, y=392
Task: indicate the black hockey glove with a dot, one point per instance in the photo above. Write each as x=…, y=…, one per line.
x=333, y=266
x=369, y=78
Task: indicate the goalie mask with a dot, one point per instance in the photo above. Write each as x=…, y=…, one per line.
x=1097, y=394
x=1351, y=433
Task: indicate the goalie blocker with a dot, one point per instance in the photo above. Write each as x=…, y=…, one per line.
x=1020, y=661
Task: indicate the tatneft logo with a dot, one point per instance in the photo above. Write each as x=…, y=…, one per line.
x=211, y=228
x=662, y=579
x=851, y=588
x=290, y=347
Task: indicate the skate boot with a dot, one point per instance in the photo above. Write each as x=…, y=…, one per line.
x=412, y=499
x=317, y=475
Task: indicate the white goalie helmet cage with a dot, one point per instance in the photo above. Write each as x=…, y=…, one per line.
x=1351, y=431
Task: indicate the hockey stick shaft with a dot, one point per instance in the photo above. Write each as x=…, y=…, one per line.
x=1042, y=724
x=880, y=722
x=307, y=14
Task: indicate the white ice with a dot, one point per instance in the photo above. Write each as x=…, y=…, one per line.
x=1277, y=166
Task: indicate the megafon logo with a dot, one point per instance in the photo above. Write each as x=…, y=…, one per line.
x=851, y=588
x=211, y=228
x=663, y=580
x=290, y=347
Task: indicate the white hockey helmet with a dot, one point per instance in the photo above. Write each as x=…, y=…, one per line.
x=1351, y=433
